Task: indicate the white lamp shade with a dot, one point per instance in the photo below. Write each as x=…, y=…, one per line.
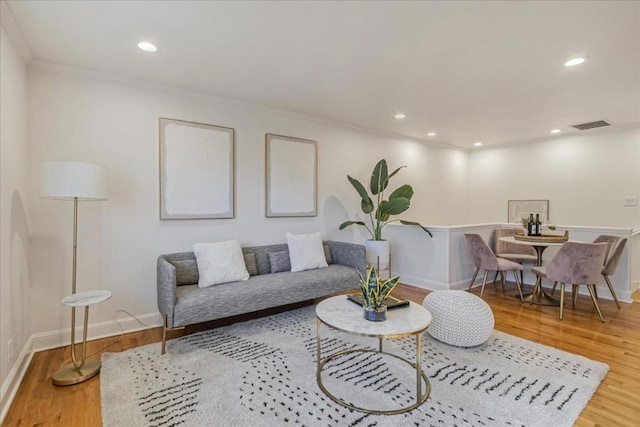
x=66, y=180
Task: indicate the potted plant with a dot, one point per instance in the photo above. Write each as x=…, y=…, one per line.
x=381, y=211
x=374, y=292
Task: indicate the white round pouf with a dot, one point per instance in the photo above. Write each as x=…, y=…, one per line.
x=459, y=318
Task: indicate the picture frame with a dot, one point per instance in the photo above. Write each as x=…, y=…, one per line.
x=291, y=176
x=197, y=170
x=517, y=209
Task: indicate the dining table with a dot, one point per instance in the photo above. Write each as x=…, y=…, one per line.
x=538, y=296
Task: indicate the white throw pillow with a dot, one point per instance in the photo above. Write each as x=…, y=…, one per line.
x=220, y=262
x=306, y=251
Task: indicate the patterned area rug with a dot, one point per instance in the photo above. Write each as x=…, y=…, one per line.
x=263, y=373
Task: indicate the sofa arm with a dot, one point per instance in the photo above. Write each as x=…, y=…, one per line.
x=349, y=254
x=166, y=289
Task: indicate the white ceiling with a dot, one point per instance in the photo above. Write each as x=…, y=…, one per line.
x=470, y=71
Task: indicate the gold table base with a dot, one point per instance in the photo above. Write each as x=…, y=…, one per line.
x=420, y=375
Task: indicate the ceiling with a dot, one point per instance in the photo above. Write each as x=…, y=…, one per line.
x=469, y=71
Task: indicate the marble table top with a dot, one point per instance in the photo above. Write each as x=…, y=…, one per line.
x=340, y=313
x=81, y=299
x=511, y=239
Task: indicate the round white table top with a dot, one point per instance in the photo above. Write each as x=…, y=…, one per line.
x=512, y=239
x=340, y=313
x=81, y=299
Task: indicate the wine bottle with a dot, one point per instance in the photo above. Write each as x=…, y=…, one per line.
x=538, y=225
x=530, y=226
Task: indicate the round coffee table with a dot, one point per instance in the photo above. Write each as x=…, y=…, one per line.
x=341, y=314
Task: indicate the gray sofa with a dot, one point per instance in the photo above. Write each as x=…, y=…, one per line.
x=181, y=302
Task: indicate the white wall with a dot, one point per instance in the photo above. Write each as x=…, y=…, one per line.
x=83, y=117
x=585, y=176
x=14, y=229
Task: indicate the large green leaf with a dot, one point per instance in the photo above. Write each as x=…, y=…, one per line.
x=348, y=223
x=394, y=206
x=379, y=177
x=367, y=203
x=395, y=172
x=359, y=187
x=405, y=191
x=417, y=224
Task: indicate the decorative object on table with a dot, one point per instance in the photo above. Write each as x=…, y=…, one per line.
x=459, y=318
x=380, y=212
x=276, y=353
x=524, y=221
x=578, y=264
x=291, y=176
x=390, y=302
x=374, y=292
x=75, y=181
x=196, y=170
x=484, y=258
x=549, y=238
x=517, y=209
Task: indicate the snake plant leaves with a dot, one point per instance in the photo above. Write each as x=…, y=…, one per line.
x=366, y=204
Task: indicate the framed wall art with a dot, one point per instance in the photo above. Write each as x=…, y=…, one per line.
x=518, y=209
x=291, y=176
x=197, y=177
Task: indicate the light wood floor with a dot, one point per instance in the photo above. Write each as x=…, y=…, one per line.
x=616, y=342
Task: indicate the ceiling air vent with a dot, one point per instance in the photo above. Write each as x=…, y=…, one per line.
x=591, y=125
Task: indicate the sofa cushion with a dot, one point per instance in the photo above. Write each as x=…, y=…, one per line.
x=196, y=305
x=306, y=251
x=327, y=254
x=279, y=261
x=250, y=262
x=186, y=272
x=220, y=262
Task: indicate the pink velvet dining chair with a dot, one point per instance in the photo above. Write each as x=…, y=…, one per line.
x=512, y=251
x=615, y=246
x=577, y=264
x=484, y=258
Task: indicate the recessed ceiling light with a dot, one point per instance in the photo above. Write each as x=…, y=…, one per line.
x=431, y=134
x=573, y=62
x=400, y=116
x=556, y=131
x=147, y=47
x=477, y=144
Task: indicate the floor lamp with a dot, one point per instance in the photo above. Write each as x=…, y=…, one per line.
x=76, y=181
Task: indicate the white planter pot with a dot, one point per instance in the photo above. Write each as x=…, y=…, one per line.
x=378, y=253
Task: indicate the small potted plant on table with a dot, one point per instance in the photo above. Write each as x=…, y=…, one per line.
x=374, y=292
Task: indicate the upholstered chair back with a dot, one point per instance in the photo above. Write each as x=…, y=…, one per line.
x=577, y=263
x=615, y=246
x=509, y=248
x=483, y=256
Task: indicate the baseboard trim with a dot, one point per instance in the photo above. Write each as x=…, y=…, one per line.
x=12, y=383
x=62, y=337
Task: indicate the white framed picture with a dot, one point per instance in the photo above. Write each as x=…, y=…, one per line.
x=518, y=209
x=291, y=176
x=197, y=176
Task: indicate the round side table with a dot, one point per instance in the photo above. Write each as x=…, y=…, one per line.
x=83, y=369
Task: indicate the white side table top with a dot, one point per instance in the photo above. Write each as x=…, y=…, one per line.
x=81, y=299
x=340, y=313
